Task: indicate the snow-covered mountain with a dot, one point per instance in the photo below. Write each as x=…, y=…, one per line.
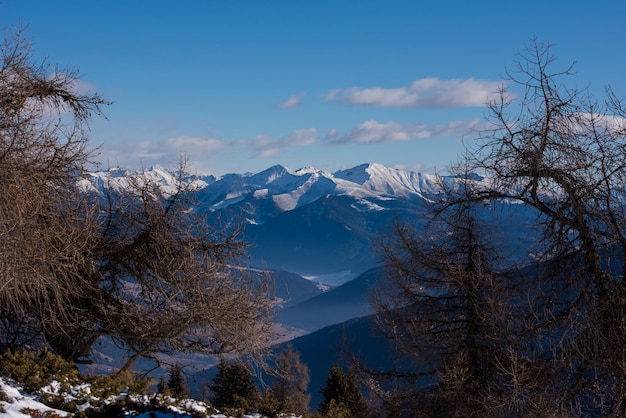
x=286, y=189
x=307, y=221
x=119, y=178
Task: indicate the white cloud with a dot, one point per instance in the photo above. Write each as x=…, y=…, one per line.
x=266, y=146
x=201, y=151
x=422, y=93
x=301, y=137
x=84, y=87
x=586, y=123
x=291, y=102
x=137, y=154
x=194, y=144
x=371, y=131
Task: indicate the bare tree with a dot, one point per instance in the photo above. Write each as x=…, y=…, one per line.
x=446, y=304
x=562, y=153
x=45, y=224
x=135, y=264
x=170, y=281
x=289, y=386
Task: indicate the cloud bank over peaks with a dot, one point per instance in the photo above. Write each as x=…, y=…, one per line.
x=372, y=131
x=368, y=132
x=200, y=149
x=164, y=152
x=431, y=93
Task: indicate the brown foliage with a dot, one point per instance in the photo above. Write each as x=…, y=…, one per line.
x=45, y=224
x=550, y=342
x=135, y=264
x=554, y=343
x=289, y=387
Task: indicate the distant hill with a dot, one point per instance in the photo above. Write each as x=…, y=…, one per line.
x=288, y=288
x=333, y=307
x=338, y=345
x=311, y=223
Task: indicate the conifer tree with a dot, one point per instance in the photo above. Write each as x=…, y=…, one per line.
x=176, y=382
x=561, y=152
x=70, y=255
x=340, y=391
x=233, y=389
x=442, y=305
x=162, y=385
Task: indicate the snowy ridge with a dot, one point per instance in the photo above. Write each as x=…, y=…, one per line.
x=289, y=189
x=20, y=404
x=286, y=189
x=390, y=181
x=119, y=178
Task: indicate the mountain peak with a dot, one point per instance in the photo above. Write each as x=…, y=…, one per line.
x=269, y=175
x=359, y=174
x=386, y=180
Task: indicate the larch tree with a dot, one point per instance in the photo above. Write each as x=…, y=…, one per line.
x=550, y=342
x=289, y=386
x=170, y=282
x=563, y=153
x=47, y=225
x=447, y=305
x=135, y=264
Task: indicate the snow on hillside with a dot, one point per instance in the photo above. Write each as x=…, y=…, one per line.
x=16, y=402
x=118, y=178
x=390, y=181
x=20, y=404
x=287, y=189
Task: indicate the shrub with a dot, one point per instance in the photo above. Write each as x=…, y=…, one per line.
x=36, y=370
x=123, y=382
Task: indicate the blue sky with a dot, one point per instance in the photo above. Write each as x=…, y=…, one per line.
x=242, y=85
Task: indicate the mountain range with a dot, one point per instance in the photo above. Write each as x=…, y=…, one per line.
x=308, y=221
x=317, y=232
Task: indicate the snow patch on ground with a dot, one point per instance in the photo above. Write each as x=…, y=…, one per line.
x=19, y=404
x=18, y=401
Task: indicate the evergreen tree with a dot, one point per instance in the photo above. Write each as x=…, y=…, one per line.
x=341, y=390
x=233, y=389
x=336, y=410
x=176, y=382
x=162, y=386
